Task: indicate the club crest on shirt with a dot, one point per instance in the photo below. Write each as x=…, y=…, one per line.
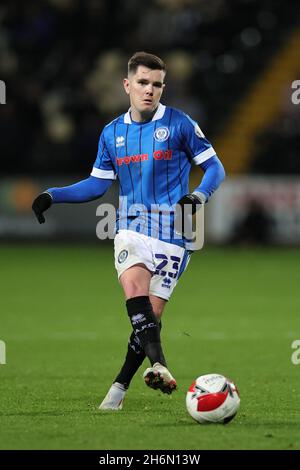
x=161, y=134
x=122, y=256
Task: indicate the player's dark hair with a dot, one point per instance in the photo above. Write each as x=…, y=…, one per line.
x=147, y=60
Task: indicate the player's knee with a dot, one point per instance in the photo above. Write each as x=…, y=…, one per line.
x=134, y=289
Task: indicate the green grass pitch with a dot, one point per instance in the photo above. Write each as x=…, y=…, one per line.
x=235, y=311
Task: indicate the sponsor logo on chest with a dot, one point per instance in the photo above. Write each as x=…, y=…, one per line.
x=157, y=155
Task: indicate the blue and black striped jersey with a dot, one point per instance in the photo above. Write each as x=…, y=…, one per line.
x=151, y=160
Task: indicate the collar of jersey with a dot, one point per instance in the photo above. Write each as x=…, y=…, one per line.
x=158, y=115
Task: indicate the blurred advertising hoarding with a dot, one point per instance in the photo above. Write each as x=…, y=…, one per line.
x=265, y=209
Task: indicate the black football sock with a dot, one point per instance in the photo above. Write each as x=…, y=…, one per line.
x=146, y=328
x=134, y=358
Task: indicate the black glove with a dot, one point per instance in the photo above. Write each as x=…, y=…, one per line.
x=40, y=205
x=182, y=223
x=191, y=200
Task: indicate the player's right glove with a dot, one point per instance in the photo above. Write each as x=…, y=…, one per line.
x=40, y=205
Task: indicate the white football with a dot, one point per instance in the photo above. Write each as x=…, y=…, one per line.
x=212, y=398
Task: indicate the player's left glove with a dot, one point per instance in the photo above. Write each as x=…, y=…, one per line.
x=40, y=205
x=182, y=223
x=192, y=199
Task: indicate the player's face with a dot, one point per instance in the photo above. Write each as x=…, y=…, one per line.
x=144, y=88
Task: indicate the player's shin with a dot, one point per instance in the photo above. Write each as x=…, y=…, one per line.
x=146, y=328
x=134, y=358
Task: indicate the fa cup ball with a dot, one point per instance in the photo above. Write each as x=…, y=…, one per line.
x=212, y=398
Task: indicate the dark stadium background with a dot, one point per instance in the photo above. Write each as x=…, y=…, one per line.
x=231, y=66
